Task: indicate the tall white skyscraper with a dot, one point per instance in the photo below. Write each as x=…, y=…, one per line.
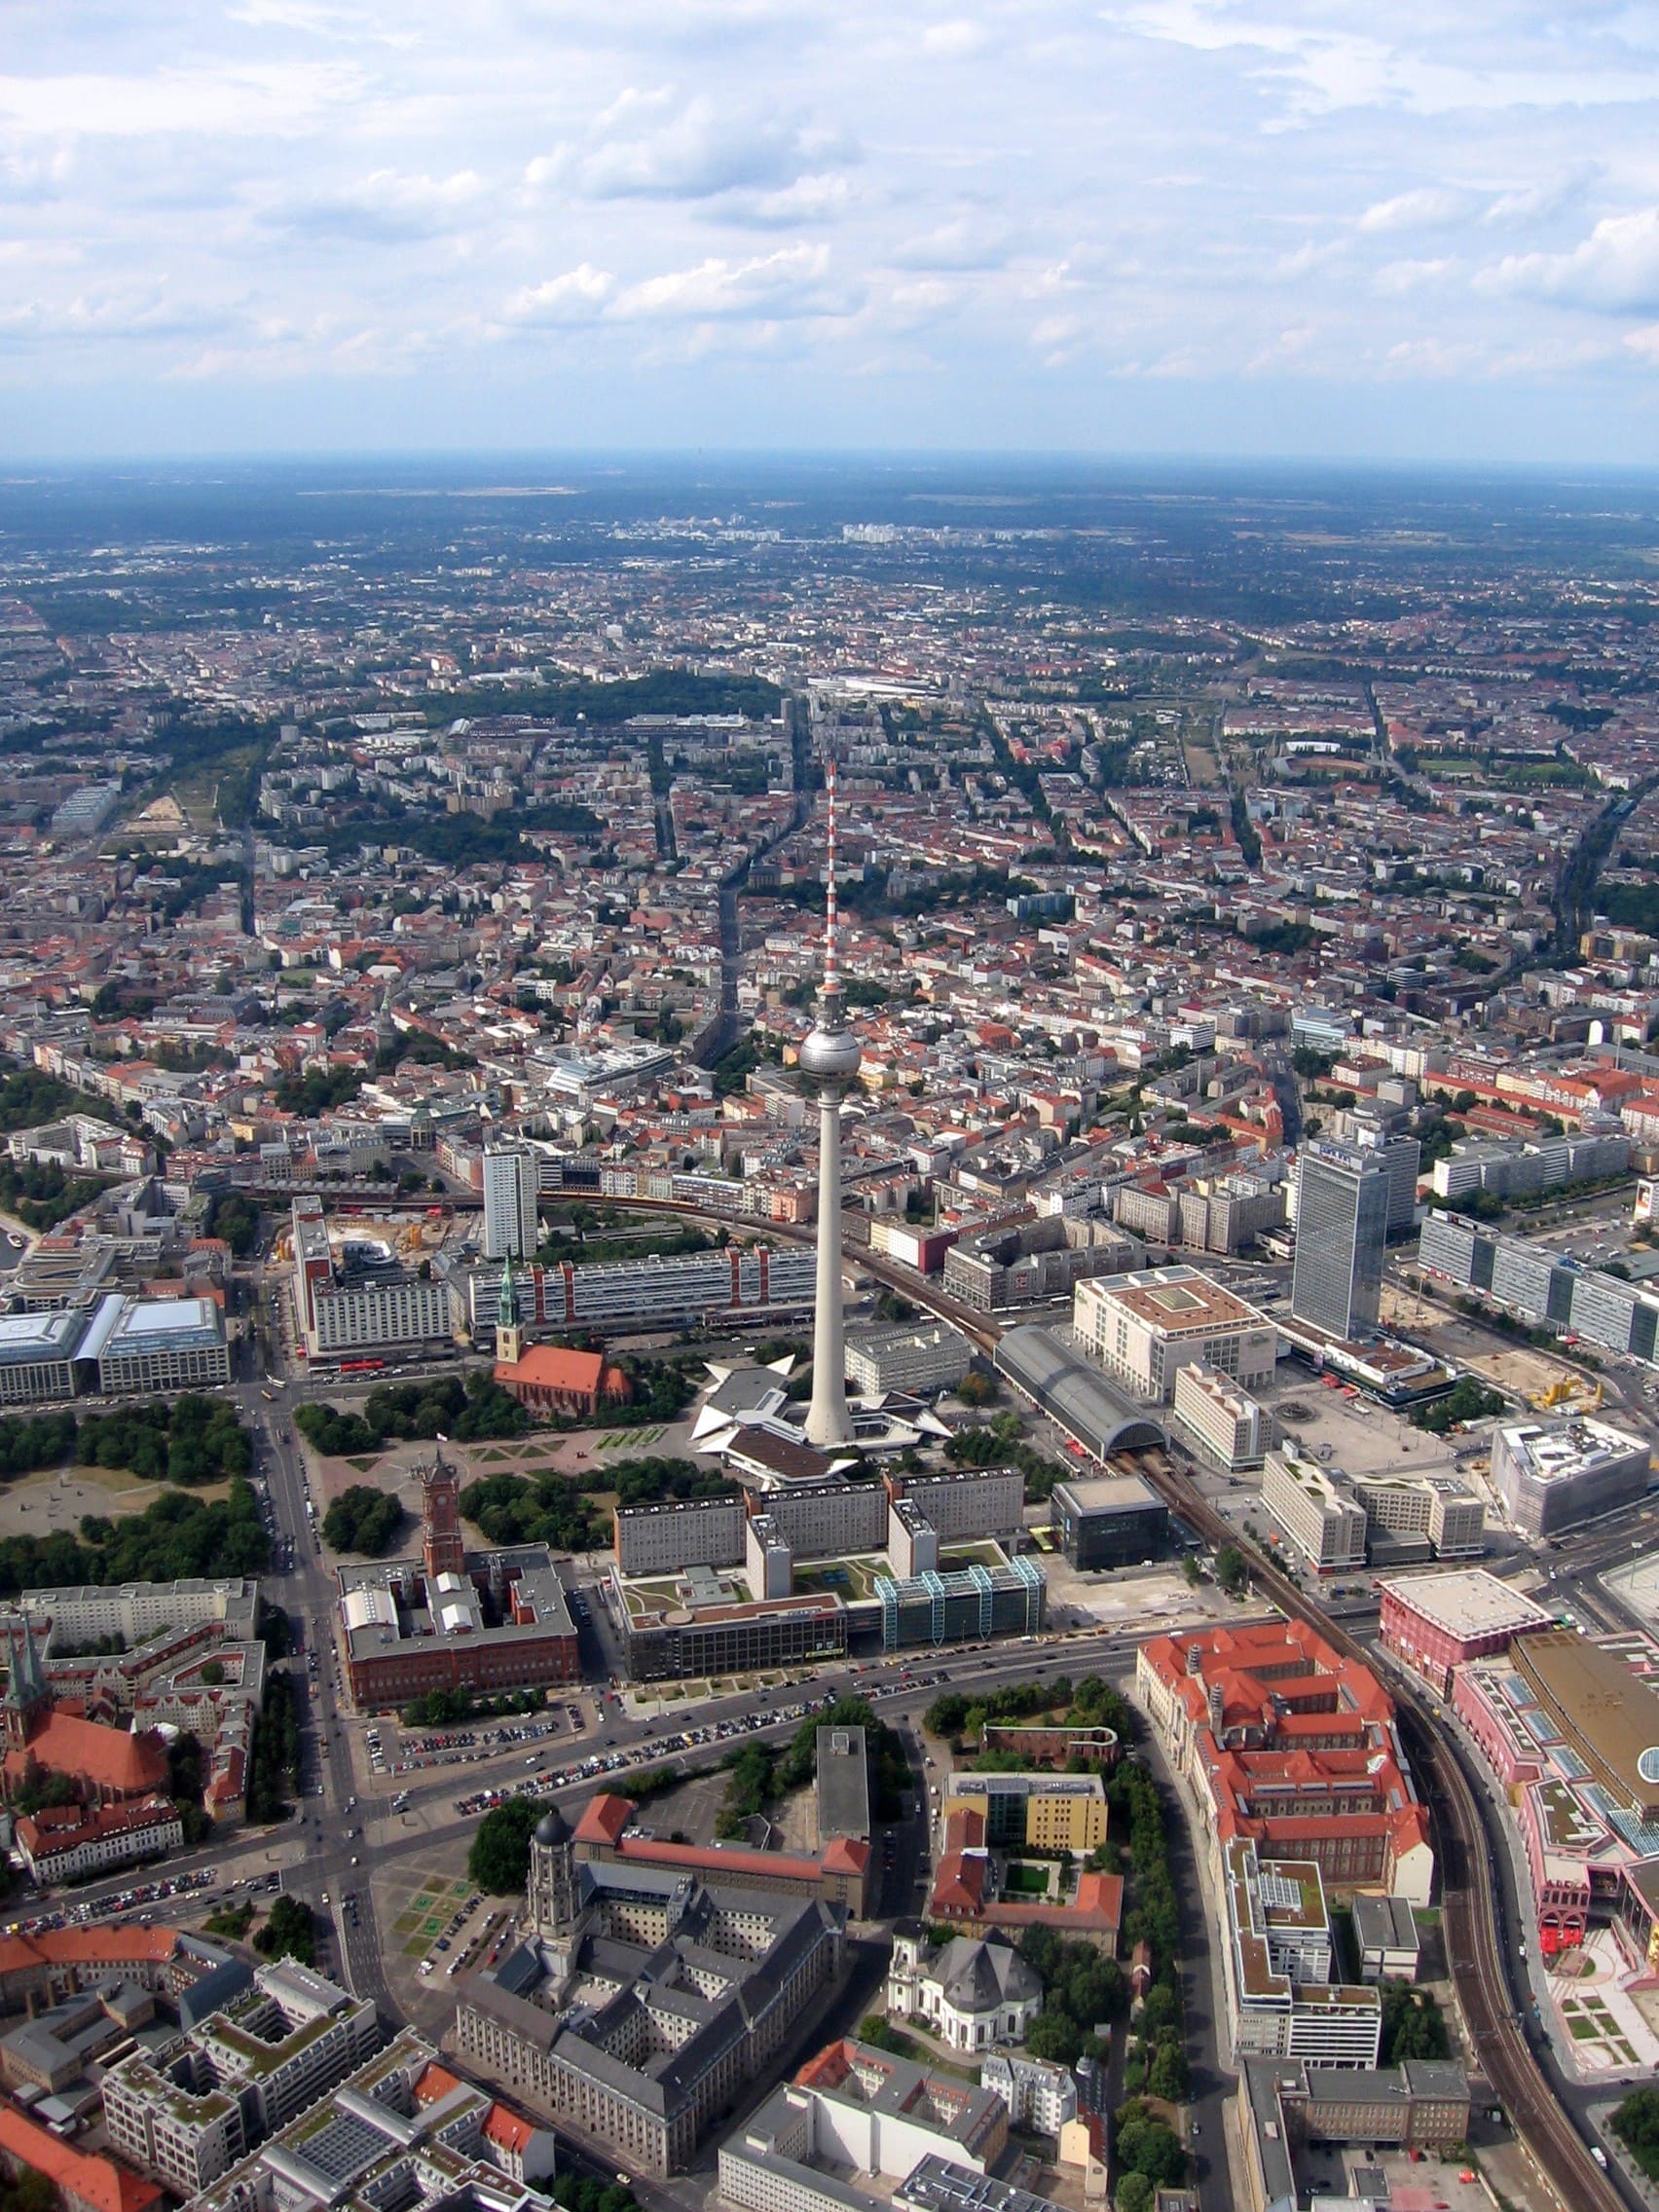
x=510, y=1227
x=1342, y=1225
x=830, y=1056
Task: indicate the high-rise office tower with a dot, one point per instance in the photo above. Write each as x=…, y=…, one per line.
x=1342, y=1225
x=509, y=1202
x=831, y=1056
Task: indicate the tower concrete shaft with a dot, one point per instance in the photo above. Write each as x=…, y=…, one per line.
x=832, y=1056
x=828, y=1421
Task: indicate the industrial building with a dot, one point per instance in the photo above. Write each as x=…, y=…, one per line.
x=1144, y=1328
x=1108, y=1520
x=1553, y=1474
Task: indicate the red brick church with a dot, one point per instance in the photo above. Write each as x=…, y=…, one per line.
x=44, y=1735
x=548, y=1379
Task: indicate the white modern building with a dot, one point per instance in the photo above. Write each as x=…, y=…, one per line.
x=1223, y=1421
x=511, y=1178
x=1553, y=1474
x=157, y=1343
x=1144, y=1328
x=1316, y=1509
x=1281, y=2002
x=37, y=1356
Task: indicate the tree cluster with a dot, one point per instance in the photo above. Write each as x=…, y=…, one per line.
x=290, y=1931
x=1157, y=2058
x=998, y=1444
x=472, y=1413
x=1413, y=2025
x=533, y=1509
x=1082, y=1990
x=174, y=1538
x=499, y=1859
x=1091, y=1702
x=1148, y=2147
x=750, y=1784
x=586, y=2192
x=363, y=1520
x=236, y=1221
x=193, y=1441
x=1635, y=2124
x=1468, y=1399
x=1153, y=1917
x=274, y=1757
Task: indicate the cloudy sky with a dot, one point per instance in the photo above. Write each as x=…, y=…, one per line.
x=1424, y=228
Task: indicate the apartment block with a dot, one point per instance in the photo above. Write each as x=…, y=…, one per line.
x=188, y=2110
x=1316, y=1509
x=678, y=1532
x=1221, y=1419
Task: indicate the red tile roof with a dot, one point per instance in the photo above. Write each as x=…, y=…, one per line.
x=111, y=1758
x=94, y=2181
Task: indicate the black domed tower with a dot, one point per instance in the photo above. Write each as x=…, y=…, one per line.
x=552, y=1895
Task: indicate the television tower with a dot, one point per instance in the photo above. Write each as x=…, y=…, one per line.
x=831, y=1056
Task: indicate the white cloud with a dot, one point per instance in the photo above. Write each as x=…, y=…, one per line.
x=1614, y=270
x=647, y=146
x=1430, y=207
x=954, y=39
x=774, y=285
x=575, y=297
x=1395, y=279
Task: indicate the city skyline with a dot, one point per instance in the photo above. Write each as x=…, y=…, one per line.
x=296, y=226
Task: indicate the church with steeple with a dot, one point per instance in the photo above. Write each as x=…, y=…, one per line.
x=46, y=1736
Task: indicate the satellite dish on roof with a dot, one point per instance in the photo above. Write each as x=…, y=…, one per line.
x=1647, y=1765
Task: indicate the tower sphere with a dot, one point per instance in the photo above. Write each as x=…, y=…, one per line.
x=833, y=1055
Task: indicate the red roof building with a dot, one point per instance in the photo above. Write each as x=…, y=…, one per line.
x=840, y=1876
x=1290, y=1745
x=84, y=2183
x=549, y=1378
